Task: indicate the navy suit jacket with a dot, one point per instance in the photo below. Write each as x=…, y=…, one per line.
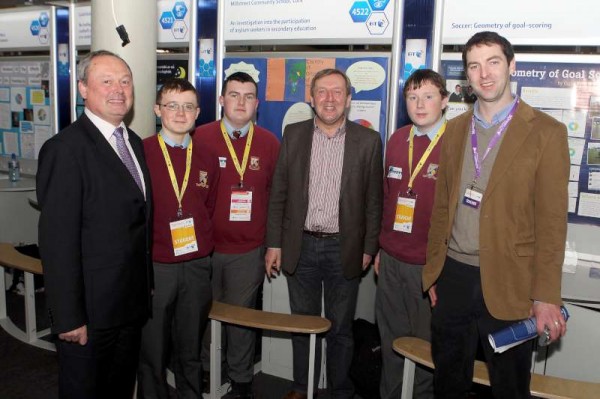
x=94, y=231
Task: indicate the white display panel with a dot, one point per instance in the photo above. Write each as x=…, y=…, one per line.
x=303, y=21
x=25, y=30
x=531, y=22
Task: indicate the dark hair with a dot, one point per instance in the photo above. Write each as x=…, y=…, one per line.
x=177, y=85
x=84, y=64
x=326, y=72
x=422, y=76
x=241, y=77
x=488, y=38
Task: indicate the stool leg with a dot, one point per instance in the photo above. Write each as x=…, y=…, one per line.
x=311, y=366
x=408, y=379
x=2, y=294
x=215, y=359
x=30, y=322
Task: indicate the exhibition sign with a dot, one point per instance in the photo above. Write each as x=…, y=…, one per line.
x=304, y=21
x=532, y=22
x=26, y=30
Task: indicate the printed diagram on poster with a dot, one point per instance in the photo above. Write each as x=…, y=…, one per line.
x=569, y=92
x=284, y=88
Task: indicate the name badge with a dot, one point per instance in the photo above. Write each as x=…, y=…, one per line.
x=405, y=213
x=472, y=198
x=240, y=209
x=183, y=236
x=394, y=172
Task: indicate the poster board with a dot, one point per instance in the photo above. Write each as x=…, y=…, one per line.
x=566, y=87
x=284, y=86
x=25, y=114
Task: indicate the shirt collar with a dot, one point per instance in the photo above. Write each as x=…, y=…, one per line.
x=171, y=143
x=107, y=129
x=230, y=129
x=339, y=132
x=499, y=117
x=433, y=132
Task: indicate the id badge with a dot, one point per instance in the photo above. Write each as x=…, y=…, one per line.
x=405, y=213
x=240, y=209
x=183, y=236
x=394, y=172
x=472, y=197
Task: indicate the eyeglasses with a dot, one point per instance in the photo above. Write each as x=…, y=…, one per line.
x=175, y=107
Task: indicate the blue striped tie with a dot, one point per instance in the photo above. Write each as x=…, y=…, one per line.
x=125, y=156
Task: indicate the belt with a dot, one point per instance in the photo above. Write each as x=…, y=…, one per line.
x=320, y=234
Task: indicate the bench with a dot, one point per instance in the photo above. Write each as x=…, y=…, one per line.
x=10, y=257
x=416, y=350
x=245, y=317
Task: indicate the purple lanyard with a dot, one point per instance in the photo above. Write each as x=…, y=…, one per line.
x=492, y=142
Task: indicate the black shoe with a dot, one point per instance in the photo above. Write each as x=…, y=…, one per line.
x=240, y=390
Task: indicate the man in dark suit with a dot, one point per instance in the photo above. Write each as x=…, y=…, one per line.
x=323, y=222
x=93, y=189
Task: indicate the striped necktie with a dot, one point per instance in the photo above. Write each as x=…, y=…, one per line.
x=126, y=157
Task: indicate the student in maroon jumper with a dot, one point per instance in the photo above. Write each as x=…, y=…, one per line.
x=184, y=177
x=411, y=162
x=247, y=155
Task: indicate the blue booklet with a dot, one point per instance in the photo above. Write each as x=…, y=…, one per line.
x=517, y=333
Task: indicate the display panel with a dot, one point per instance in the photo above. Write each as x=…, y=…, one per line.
x=284, y=87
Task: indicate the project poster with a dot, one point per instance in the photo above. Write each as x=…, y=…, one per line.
x=315, y=21
x=25, y=114
x=570, y=92
x=284, y=88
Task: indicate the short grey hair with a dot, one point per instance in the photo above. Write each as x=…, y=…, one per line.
x=84, y=64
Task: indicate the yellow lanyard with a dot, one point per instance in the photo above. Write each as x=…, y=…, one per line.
x=241, y=169
x=186, y=176
x=425, y=155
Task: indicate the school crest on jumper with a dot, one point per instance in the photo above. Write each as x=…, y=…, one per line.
x=203, y=179
x=431, y=171
x=255, y=163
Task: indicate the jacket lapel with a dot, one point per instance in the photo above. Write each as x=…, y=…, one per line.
x=109, y=156
x=514, y=137
x=351, y=151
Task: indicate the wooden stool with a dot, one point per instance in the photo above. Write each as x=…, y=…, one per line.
x=416, y=350
x=10, y=257
x=237, y=315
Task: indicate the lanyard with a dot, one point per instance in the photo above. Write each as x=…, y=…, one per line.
x=430, y=147
x=241, y=169
x=492, y=142
x=186, y=177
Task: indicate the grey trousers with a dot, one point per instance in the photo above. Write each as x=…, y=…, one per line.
x=180, y=306
x=236, y=281
x=402, y=310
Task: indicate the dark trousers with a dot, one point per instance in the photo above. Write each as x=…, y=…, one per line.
x=103, y=368
x=180, y=306
x=320, y=267
x=460, y=321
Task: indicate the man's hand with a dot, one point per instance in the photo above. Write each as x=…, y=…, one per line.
x=78, y=335
x=432, y=295
x=376, y=263
x=272, y=262
x=366, y=261
x=549, y=315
